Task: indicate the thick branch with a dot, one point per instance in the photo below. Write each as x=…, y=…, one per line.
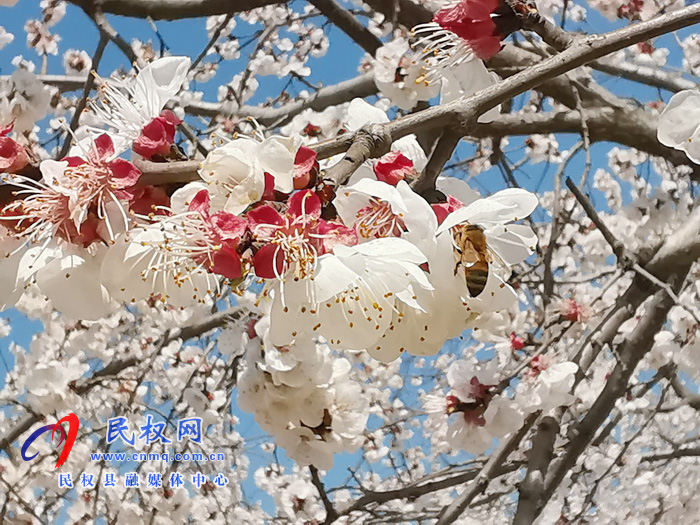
x=651, y=77
x=680, y=453
x=632, y=351
x=358, y=87
x=174, y=9
x=441, y=155
x=617, y=246
x=371, y=141
x=634, y=128
x=464, y=112
x=671, y=263
x=539, y=458
x=418, y=489
x=331, y=513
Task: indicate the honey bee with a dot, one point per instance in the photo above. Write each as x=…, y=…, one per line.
x=474, y=255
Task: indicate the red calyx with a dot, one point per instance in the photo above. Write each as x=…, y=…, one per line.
x=157, y=136
x=393, y=167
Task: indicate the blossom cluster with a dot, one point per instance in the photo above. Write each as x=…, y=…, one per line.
x=369, y=265
x=364, y=266
x=304, y=397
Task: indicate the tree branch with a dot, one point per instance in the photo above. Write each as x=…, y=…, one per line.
x=348, y=24
x=672, y=262
x=623, y=257
x=540, y=456
x=115, y=367
x=331, y=513
x=455, y=509
x=370, y=141
x=444, y=149
x=175, y=9
x=89, y=85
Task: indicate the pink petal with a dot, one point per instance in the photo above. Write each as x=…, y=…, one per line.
x=264, y=215
x=443, y=209
x=170, y=117
x=305, y=204
x=393, y=167
x=471, y=21
x=124, y=174
x=269, y=191
x=155, y=138
x=7, y=129
x=227, y=262
x=266, y=259
x=304, y=161
x=104, y=147
x=148, y=199
x=74, y=161
x=201, y=203
x=13, y=157
x=335, y=234
x=228, y=225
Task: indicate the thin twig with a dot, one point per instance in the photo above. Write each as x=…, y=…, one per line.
x=214, y=38
x=618, y=248
x=89, y=85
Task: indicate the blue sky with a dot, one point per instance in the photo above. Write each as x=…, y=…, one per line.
x=188, y=38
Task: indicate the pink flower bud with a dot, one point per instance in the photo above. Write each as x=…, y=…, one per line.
x=516, y=343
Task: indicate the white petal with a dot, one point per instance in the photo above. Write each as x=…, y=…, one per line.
x=508, y=205
x=411, y=149
x=160, y=81
x=522, y=201
x=72, y=284
x=496, y=296
x=680, y=119
x=459, y=189
x=276, y=157
x=692, y=147
x=513, y=243
x=181, y=198
x=475, y=213
x=420, y=220
x=466, y=79
x=361, y=113
x=11, y=288
x=356, y=320
x=52, y=174
x=391, y=247
x=331, y=277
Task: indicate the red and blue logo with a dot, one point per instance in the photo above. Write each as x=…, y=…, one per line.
x=68, y=437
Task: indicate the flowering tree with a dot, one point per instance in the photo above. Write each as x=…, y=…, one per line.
x=460, y=286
